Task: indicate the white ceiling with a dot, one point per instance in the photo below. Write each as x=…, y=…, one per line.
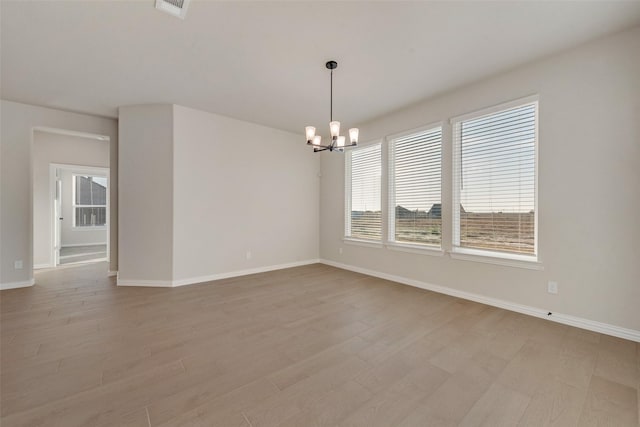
x=264, y=62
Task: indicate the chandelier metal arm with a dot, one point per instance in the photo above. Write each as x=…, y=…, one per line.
x=331, y=146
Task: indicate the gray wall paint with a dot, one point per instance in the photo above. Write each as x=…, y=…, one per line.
x=218, y=188
x=146, y=195
x=589, y=172
x=16, y=198
x=241, y=187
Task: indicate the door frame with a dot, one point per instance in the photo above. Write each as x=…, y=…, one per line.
x=55, y=222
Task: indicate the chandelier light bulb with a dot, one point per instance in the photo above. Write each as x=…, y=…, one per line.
x=353, y=135
x=335, y=129
x=311, y=132
x=340, y=142
x=317, y=140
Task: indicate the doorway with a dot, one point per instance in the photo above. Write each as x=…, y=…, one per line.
x=71, y=198
x=80, y=214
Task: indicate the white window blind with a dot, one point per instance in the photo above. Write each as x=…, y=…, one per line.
x=363, y=179
x=495, y=180
x=415, y=214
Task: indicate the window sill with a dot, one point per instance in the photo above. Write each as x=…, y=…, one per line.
x=75, y=228
x=361, y=242
x=415, y=249
x=487, y=257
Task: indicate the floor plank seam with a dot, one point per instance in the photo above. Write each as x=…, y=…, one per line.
x=245, y=418
x=273, y=383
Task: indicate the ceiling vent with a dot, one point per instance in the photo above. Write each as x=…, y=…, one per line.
x=173, y=7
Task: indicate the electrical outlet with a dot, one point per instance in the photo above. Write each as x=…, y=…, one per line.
x=552, y=287
x=340, y=251
x=248, y=255
x=18, y=265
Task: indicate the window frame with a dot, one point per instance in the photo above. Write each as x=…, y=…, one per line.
x=391, y=242
x=74, y=206
x=488, y=255
x=348, y=238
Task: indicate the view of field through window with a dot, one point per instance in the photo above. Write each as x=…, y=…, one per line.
x=511, y=232
x=495, y=174
x=496, y=180
x=414, y=187
x=366, y=178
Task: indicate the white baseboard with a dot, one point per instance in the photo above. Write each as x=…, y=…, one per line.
x=74, y=245
x=219, y=276
x=41, y=266
x=591, y=325
x=15, y=285
x=145, y=283
x=212, y=277
x=112, y=273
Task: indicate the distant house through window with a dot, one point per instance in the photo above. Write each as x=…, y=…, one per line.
x=394, y=189
x=89, y=201
x=415, y=214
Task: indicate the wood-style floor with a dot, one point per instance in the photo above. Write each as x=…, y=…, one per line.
x=76, y=254
x=307, y=346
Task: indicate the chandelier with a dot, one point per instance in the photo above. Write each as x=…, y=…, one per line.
x=337, y=142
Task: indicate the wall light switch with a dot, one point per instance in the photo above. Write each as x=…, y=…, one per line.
x=340, y=251
x=552, y=287
x=248, y=255
x=18, y=265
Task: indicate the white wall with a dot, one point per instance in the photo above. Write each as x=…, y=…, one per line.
x=217, y=188
x=76, y=236
x=16, y=199
x=589, y=177
x=240, y=187
x=146, y=193
x=64, y=149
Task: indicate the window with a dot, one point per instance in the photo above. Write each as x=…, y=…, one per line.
x=363, y=180
x=89, y=201
x=415, y=209
x=495, y=180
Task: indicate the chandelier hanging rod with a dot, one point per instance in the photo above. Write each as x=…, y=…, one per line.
x=332, y=65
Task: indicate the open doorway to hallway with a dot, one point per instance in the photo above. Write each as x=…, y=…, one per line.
x=80, y=214
x=70, y=198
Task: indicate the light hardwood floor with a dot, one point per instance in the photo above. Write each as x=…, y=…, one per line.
x=306, y=346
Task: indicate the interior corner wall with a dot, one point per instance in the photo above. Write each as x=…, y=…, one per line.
x=64, y=149
x=146, y=194
x=16, y=199
x=245, y=196
x=588, y=186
